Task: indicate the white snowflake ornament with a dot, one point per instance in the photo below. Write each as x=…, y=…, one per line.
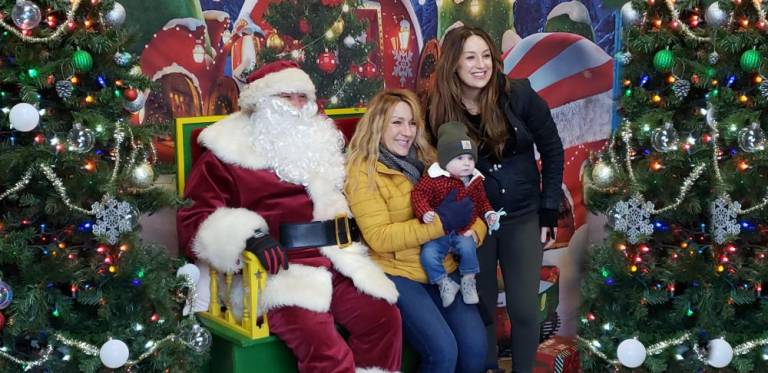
x=113, y=218
x=723, y=213
x=633, y=218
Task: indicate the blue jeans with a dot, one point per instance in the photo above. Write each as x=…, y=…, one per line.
x=448, y=339
x=433, y=254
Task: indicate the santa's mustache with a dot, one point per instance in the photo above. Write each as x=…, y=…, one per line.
x=276, y=107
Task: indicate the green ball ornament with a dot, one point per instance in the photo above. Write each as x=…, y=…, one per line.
x=750, y=60
x=82, y=61
x=663, y=60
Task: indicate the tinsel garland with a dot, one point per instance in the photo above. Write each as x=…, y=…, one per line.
x=91, y=350
x=684, y=189
x=659, y=347
x=119, y=137
x=626, y=135
x=683, y=27
x=60, y=31
x=715, y=133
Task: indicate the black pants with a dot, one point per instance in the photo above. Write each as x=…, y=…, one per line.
x=516, y=246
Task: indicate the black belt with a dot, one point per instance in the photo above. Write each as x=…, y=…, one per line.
x=341, y=231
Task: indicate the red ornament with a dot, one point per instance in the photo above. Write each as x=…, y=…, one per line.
x=327, y=62
x=369, y=70
x=354, y=69
x=130, y=94
x=695, y=79
x=2, y=320
x=51, y=80
x=331, y=3
x=304, y=26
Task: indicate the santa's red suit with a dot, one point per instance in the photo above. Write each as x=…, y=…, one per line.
x=269, y=165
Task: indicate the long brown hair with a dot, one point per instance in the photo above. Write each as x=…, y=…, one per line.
x=445, y=100
x=364, y=146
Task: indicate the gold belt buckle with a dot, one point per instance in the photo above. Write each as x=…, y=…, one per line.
x=348, y=230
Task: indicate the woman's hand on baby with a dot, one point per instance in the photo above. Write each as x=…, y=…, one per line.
x=428, y=217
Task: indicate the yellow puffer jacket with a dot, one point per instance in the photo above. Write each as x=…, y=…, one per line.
x=386, y=220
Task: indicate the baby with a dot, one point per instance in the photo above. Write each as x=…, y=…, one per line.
x=453, y=175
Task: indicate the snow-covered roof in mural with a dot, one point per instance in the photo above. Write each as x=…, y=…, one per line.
x=189, y=23
x=217, y=15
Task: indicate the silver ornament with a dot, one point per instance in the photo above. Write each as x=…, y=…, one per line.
x=349, y=41
x=752, y=138
x=629, y=15
x=711, y=117
x=633, y=218
x=197, y=338
x=64, y=89
x=624, y=58
x=80, y=139
x=122, y=59
x=664, y=138
x=764, y=88
x=681, y=88
x=136, y=70
x=142, y=175
x=602, y=174
x=723, y=213
x=6, y=295
x=26, y=15
x=116, y=16
x=715, y=16
x=113, y=218
x=713, y=58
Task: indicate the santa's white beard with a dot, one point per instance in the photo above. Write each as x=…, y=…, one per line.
x=300, y=144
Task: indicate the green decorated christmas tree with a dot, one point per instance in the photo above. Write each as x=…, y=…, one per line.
x=79, y=291
x=331, y=44
x=677, y=285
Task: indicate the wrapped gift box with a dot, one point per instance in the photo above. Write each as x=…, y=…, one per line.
x=557, y=355
x=548, y=300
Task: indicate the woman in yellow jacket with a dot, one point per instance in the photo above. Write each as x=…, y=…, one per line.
x=386, y=157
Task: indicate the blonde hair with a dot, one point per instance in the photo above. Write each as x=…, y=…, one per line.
x=364, y=147
x=445, y=100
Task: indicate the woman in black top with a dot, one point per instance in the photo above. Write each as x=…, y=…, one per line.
x=507, y=118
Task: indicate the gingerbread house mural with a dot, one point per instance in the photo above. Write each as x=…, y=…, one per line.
x=188, y=58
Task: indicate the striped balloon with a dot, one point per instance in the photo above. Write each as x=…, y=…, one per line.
x=567, y=70
x=561, y=65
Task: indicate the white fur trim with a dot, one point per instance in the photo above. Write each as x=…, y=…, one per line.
x=290, y=80
x=353, y=261
x=435, y=171
x=374, y=370
x=229, y=139
x=301, y=286
x=221, y=237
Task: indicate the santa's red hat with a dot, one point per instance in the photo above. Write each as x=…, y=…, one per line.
x=274, y=78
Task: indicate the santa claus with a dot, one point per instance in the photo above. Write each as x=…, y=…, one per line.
x=270, y=181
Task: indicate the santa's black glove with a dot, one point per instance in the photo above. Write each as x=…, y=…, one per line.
x=269, y=252
x=548, y=218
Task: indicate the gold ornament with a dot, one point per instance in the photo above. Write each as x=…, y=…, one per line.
x=338, y=27
x=275, y=42
x=142, y=175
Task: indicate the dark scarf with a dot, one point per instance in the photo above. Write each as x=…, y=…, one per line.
x=409, y=165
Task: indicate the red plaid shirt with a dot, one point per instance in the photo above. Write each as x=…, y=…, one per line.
x=433, y=187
